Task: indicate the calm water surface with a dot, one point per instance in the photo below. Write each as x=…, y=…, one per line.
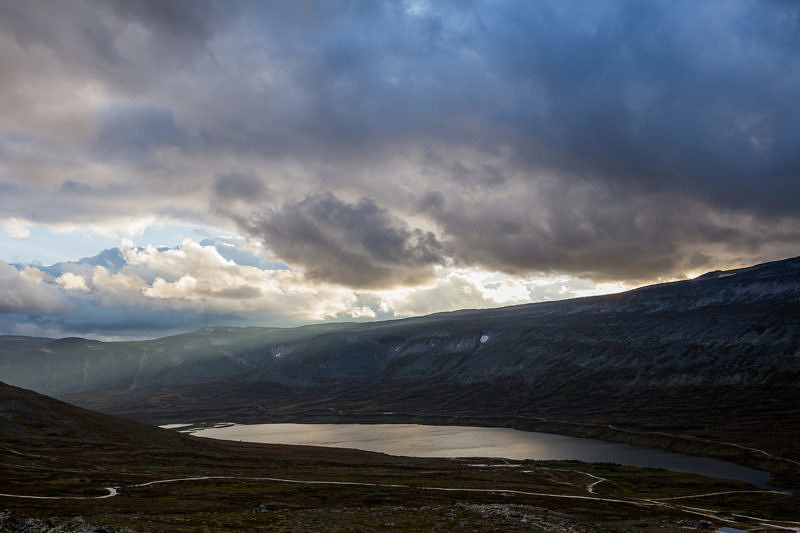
x=460, y=441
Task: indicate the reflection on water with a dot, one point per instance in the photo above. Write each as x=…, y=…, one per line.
x=460, y=441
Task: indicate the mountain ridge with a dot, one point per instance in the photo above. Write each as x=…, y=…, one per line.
x=115, y=252
x=75, y=365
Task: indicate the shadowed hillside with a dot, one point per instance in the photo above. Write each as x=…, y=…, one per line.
x=59, y=463
x=717, y=358
x=28, y=417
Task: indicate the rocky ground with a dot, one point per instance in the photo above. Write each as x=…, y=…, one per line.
x=11, y=522
x=459, y=517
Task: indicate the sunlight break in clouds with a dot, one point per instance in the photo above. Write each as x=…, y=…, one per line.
x=389, y=158
x=195, y=286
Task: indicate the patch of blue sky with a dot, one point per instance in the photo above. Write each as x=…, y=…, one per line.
x=44, y=245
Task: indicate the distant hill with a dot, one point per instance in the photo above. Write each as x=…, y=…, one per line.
x=18, y=343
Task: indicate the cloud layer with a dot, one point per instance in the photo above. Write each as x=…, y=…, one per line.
x=147, y=291
x=366, y=144
x=359, y=245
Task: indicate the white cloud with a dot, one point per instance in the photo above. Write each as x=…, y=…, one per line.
x=447, y=294
x=127, y=281
x=112, y=227
x=33, y=274
x=362, y=312
x=25, y=293
x=194, y=282
x=602, y=288
x=16, y=228
x=72, y=282
x=195, y=277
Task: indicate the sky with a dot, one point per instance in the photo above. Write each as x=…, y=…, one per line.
x=280, y=163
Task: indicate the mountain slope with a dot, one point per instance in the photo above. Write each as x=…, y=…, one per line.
x=26, y=416
x=716, y=359
x=59, y=463
x=736, y=328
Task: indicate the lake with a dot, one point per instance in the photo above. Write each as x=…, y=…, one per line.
x=461, y=441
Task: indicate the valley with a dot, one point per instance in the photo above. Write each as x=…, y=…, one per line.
x=58, y=462
x=705, y=367
x=685, y=366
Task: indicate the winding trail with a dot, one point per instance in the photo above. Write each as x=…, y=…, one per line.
x=722, y=493
x=111, y=492
x=589, y=488
x=710, y=513
x=639, y=502
x=644, y=502
x=388, y=485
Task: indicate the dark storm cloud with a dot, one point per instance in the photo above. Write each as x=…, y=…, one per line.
x=634, y=134
x=657, y=95
x=192, y=23
x=236, y=186
x=595, y=234
x=133, y=132
x=127, y=45
x=621, y=140
x=662, y=97
x=359, y=245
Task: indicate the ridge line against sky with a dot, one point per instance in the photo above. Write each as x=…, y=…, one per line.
x=340, y=160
